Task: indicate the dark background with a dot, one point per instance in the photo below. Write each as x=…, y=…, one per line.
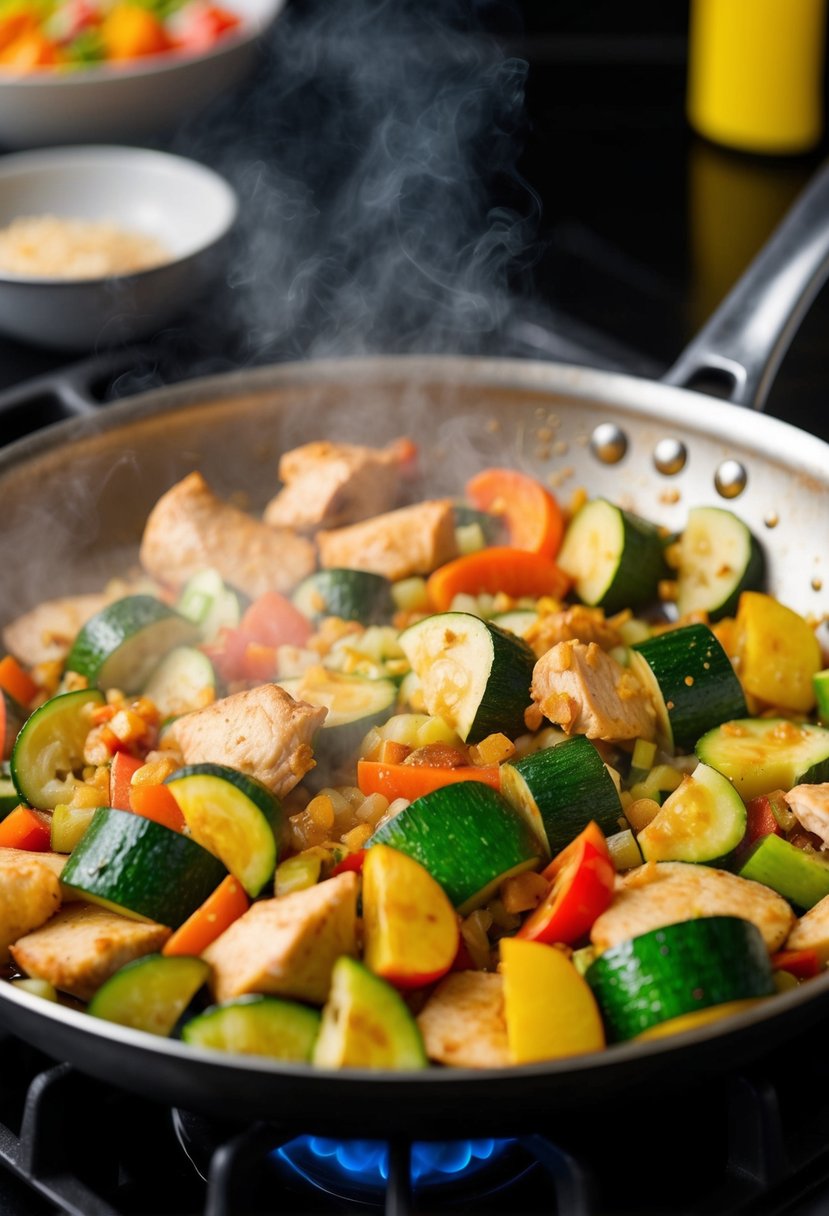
x=632, y=227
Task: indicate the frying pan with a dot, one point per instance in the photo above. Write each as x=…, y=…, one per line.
x=75, y=497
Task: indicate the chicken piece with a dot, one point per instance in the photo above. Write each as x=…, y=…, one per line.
x=810, y=806
x=811, y=931
x=586, y=692
x=666, y=892
x=328, y=485
x=412, y=540
x=190, y=529
x=46, y=633
x=287, y=946
x=263, y=732
x=83, y=945
x=576, y=624
x=463, y=1022
x=29, y=895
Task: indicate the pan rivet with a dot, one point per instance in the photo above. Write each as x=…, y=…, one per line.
x=609, y=443
x=670, y=456
x=730, y=479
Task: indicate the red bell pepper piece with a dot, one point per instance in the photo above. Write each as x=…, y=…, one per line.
x=760, y=817
x=26, y=829
x=803, y=964
x=582, y=878
x=120, y=776
x=351, y=862
x=411, y=781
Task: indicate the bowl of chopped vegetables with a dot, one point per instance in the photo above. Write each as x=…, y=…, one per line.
x=78, y=70
x=104, y=245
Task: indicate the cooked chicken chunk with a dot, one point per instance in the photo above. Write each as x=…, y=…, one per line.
x=263, y=732
x=189, y=529
x=463, y=1022
x=575, y=624
x=46, y=633
x=811, y=932
x=667, y=892
x=327, y=485
x=413, y=540
x=287, y=946
x=29, y=895
x=586, y=692
x=84, y=945
x=810, y=806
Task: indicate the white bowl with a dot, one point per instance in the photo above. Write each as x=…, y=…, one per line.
x=185, y=206
x=130, y=100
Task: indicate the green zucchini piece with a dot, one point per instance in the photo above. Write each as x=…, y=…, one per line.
x=679, y=969
x=366, y=1023
x=209, y=603
x=472, y=673
x=150, y=993
x=9, y=797
x=801, y=878
x=121, y=644
x=181, y=682
x=354, y=705
x=12, y=717
x=517, y=621
x=491, y=526
x=624, y=851
x=558, y=790
x=233, y=816
x=256, y=1026
x=69, y=823
x=692, y=683
x=759, y=755
x=719, y=558
x=703, y=820
x=141, y=869
x=820, y=684
x=616, y=559
x=353, y=595
x=49, y=749
x=467, y=836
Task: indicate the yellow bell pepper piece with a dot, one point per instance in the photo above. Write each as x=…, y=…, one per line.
x=129, y=31
x=778, y=652
x=549, y=1009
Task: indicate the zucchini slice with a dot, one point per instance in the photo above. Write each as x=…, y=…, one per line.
x=183, y=681
x=467, y=836
x=12, y=717
x=491, y=526
x=353, y=595
x=49, y=748
x=560, y=789
x=69, y=823
x=9, y=797
x=703, y=820
x=209, y=603
x=121, y=644
x=692, y=683
x=759, y=755
x=616, y=559
x=820, y=684
x=473, y=674
x=150, y=993
x=719, y=558
x=256, y=1026
x=141, y=869
x=801, y=878
x=517, y=621
x=354, y=704
x=677, y=970
x=366, y=1024
x=233, y=816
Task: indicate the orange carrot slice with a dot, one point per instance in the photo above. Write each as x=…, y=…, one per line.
x=533, y=517
x=227, y=903
x=516, y=572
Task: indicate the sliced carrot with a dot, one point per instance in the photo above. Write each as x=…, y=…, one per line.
x=226, y=904
x=17, y=682
x=157, y=802
x=516, y=572
x=412, y=780
x=120, y=776
x=533, y=517
x=26, y=829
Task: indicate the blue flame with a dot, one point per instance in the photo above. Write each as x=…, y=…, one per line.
x=366, y=1162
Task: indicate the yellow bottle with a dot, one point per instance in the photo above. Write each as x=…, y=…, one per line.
x=755, y=74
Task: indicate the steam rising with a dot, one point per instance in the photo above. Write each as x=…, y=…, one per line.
x=366, y=156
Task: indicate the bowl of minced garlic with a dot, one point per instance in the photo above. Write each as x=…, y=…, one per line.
x=104, y=245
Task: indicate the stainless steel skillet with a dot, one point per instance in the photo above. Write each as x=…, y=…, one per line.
x=75, y=497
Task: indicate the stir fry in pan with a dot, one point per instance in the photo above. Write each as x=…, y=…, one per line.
x=371, y=781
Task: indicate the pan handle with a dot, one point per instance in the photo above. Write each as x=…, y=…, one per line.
x=738, y=351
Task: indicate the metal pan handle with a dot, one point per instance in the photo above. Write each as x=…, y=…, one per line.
x=738, y=351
